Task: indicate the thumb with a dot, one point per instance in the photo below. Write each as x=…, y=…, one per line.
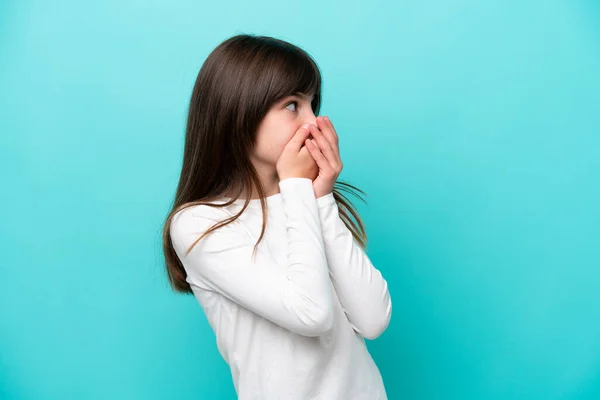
x=300, y=137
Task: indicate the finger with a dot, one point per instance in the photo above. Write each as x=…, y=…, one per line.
x=324, y=145
x=320, y=138
x=328, y=121
x=299, y=137
x=331, y=136
x=337, y=140
x=317, y=155
x=326, y=129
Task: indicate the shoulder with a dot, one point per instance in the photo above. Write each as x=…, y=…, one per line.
x=191, y=222
x=197, y=218
x=201, y=212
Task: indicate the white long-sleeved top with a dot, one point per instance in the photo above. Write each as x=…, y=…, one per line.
x=291, y=321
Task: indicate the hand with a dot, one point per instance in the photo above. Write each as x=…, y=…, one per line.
x=295, y=161
x=324, y=149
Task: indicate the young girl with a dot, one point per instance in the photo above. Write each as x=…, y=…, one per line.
x=262, y=238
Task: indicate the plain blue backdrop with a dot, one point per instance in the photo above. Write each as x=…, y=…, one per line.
x=472, y=125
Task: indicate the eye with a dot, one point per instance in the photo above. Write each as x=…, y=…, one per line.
x=295, y=103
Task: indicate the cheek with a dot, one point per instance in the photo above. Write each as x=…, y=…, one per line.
x=269, y=147
x=282, y=140
x=271, y=142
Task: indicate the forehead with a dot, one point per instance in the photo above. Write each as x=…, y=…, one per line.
x=303, y=96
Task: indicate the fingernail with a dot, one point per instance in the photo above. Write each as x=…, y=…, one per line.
x=306, y=126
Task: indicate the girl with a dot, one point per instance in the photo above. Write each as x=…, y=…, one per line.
x=262, y=238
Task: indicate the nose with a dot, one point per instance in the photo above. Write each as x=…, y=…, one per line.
x=310, y=118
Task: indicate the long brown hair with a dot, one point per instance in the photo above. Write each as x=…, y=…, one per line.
x=237, y=85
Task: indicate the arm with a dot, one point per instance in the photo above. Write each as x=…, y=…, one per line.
x=296, y=296
x=362, y=290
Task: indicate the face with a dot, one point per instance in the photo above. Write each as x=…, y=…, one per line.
x=279, y=125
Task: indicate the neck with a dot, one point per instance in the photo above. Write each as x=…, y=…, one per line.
x=269, y=179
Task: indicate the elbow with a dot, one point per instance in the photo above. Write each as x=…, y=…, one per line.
x=373, y=331
x=376, y=326
x=318, y=323
x=322, y=324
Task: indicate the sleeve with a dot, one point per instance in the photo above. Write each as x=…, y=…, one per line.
x=362, y=290
x=296, y=296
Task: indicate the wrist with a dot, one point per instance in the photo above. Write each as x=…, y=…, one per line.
x=319, y=195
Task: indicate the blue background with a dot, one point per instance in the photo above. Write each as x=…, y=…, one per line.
x=473, y=126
